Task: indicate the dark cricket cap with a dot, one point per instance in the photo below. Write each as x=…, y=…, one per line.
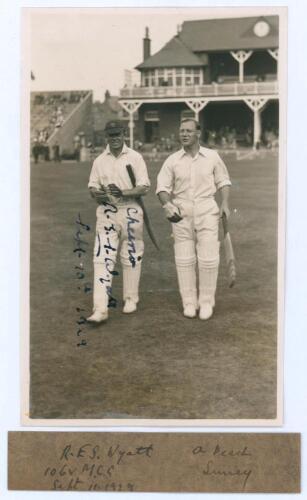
x=114, y=126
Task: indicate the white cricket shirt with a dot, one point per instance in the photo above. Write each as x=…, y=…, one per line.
x=195, y=178
x=108, y=169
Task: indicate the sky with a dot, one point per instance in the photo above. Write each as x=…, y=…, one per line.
x=92, y=48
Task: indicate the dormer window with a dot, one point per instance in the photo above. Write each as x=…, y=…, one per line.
x=172, y=77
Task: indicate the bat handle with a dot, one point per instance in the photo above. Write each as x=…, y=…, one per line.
x=131, y=175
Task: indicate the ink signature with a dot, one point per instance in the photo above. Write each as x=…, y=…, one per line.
x=131, y=237
x=109, y=261
x=109, y=249
x=81, y=275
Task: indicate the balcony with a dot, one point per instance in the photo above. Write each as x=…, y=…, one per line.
x=212, y=90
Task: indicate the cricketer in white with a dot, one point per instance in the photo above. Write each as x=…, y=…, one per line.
x=186, y=187
x=119, y=221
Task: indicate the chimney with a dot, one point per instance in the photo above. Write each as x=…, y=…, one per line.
x=146, y=44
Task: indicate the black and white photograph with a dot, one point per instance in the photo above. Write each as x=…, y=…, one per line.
x=154, y=169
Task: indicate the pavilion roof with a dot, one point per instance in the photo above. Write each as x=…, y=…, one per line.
x=174, y=54
x=229, y=34
x=212, y=35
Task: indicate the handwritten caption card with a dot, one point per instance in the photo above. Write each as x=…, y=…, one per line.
x=154, y=462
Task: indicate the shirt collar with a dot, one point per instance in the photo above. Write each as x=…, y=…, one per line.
x=123, y=151
x=201, y=151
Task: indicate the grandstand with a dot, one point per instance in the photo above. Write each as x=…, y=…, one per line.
x=56, y=118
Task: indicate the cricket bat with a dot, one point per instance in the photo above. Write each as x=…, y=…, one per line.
x=141, y=203
x=229, y=254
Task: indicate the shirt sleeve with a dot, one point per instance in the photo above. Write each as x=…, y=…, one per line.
x=165, y=178
x=221, y=176
x=94, y=180
x=141, y=174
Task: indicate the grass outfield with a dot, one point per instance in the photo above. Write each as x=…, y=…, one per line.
x=156, y=363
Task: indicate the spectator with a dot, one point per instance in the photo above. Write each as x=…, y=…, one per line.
x=211, y=138
x=231, y=138
x=137, y=145
x=92, y=151
x=168, y=144
x=56, y=152
x=46, y=152
x=270, y=139
x=154, y=153
x=59, y=122
x=77, y=147
x=223, y=136
x=248, y=137
x=35, y=150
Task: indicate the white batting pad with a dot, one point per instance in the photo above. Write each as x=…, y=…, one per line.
x=100, y=291
x=185, y=259
x=131, y=280
x=208, y=261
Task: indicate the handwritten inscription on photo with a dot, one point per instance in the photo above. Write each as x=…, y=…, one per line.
x=80, y=274
x=158, y=462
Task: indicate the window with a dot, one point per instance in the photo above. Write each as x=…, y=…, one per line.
x=160, y=74
x=152, y=82
x=179, y=77
x=188, y=77
x=197, y=76
x=146, y=79
x=151, y=116
x=170, y=77
x=192, y=76
x=187, y=113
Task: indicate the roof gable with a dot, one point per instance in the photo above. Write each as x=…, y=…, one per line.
x=228, y=34
x=174, y=54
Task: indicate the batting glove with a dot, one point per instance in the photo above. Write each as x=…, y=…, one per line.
x=172, y=212
x=115, y=191
x=100, y=195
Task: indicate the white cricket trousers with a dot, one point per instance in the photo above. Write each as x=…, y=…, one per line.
x=117, y=226
x=196, y=241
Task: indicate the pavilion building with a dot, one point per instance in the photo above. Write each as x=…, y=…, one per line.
x=223, y=72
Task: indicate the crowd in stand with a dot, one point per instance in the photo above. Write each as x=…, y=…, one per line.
x=226, y=138
x=160, y=145
x=56, y=119
x=230, y=137
x=270, y=138
x=60, y=98
x=52, y=110
x=55, y=115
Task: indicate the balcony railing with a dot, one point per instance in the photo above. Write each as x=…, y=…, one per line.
x=215, y=89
